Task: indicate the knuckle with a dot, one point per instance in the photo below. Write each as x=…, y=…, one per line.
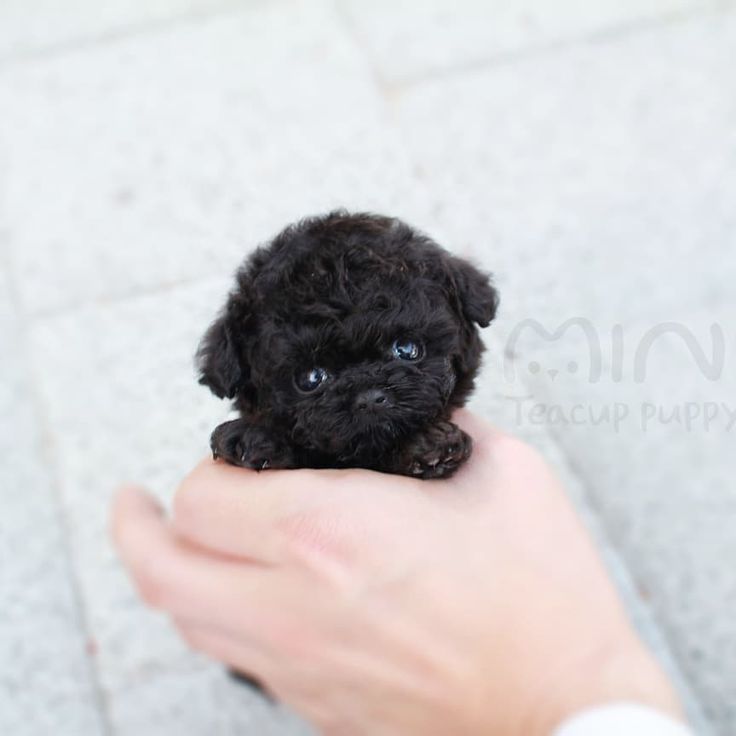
x=315, y=534
x=125, y=534
x=187, y=502
x=191, y=637
x=291, y=638
x=154, y=585
x=320, y=547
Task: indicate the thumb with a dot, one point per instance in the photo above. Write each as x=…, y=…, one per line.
x=133, y=507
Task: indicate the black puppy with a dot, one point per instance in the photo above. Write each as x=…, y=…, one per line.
x=347, y=342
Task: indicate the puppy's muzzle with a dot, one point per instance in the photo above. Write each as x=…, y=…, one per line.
x=371, y=401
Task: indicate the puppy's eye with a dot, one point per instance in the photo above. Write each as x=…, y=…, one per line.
x=311, y=379
x=407, y=349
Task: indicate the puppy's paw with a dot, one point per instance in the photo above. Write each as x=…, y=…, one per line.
x=246, y=446
x=437, y=452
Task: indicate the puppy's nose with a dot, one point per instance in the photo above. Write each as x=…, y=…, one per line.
x=371, y=400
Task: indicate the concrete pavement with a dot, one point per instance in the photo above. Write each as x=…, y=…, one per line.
x=586, y=155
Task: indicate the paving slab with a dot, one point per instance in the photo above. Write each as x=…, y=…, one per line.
x=409, y=40
x=652, y=440
x=47, y=677
x=596, y=181
x=123, y=403
x=48, y=25
x=186, y=145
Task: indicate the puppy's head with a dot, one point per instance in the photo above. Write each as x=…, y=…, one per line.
x=348, y=332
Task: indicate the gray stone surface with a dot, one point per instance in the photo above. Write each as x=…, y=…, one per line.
x=46, y=676
x=410, y=40
x=46, y=25
x=584, y=153
x=123, y=403
x=597, y=181
x=176, y=172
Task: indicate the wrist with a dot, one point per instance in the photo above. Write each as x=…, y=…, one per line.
x=622, y=718
x=615, y=673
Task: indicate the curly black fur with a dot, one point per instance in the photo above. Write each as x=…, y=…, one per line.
x=337, y=293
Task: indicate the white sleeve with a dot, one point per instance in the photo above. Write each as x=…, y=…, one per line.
x=620, y=719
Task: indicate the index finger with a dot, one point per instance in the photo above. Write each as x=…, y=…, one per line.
x=258, y=515
x=236, y=511
x=180, y=579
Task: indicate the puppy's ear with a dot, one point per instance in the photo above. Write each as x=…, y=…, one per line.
x=217, y=359
x=474, y=291
x=221, y=358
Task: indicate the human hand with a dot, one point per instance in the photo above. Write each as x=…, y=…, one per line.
x=377, y=604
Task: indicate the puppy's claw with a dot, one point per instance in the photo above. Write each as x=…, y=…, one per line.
x=439, y=452
x=245, y=446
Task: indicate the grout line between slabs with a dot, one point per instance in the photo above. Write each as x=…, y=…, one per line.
x=360, y=42
x=386, y=92
x=132, y=29
x=51, y=465
x=395, y=87
x=52, y=312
